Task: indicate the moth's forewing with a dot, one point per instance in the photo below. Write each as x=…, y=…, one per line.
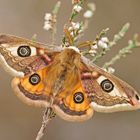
x=21, y=56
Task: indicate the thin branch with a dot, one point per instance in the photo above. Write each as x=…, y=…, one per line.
x=34, y=37
x=123, y=52
x=75, y=13
x=47, y=117
x=51, y=21
x=55, y=13
x=116, y=38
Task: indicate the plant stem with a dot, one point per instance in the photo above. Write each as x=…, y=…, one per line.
x=116, y=38
x=55, y=12
x=47, y=117
x=123, y=52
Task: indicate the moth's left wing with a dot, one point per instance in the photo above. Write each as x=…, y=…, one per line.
x=107, y=93
x=21, y=57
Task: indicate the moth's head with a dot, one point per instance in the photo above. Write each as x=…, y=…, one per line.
x=74, y=48
x=71, y=55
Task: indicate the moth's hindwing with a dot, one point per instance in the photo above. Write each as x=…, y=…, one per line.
x=31, y=89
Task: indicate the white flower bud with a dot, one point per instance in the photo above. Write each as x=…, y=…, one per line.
x=105, y=39
x=72, y=34
x=70, y=28
x=88, y=14
x=47, y=26
x=48, y=16
x=111, y=70
x=102, y=44
x=92, y=52
x=105, y=69
x=77, y=8
x=76, y=25
x=93, y=47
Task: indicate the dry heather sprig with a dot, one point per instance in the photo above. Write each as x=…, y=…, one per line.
x=51, y=20
x=47, y=117
x=132, y=44
x=112, y=43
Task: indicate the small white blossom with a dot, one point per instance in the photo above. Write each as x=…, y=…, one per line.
x=76, y=25
x=111, y=70
x=102, y=44
x=88, y=14
x=70, y=28
x=93, y=47
x=130, y=42
x=47, y=25
x=77, y=8
x=105, y=69
x=72, y=34
x=92, y=52
x=48, y=16
x=105, y=39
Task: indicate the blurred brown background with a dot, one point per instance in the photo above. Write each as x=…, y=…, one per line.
x=21, y=122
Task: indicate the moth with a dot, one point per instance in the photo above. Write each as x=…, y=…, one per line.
x=63, y=79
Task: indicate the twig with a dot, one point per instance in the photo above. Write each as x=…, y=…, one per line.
x=116, y=38
x=47, y=117
x=51, y=21
x=34, y=37
x=55, y=12
x=75, y=13
x=123, y=52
